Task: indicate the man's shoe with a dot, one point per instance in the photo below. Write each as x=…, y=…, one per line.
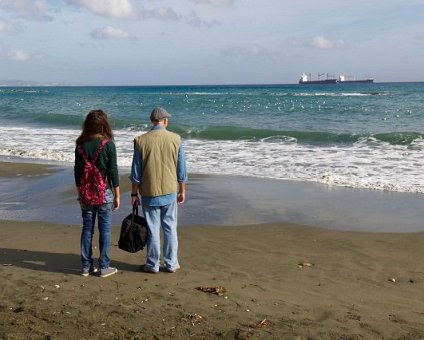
x=108, y=272
x=173, y=270
x=148, y=269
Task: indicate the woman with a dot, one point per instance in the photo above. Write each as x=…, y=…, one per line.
x=97, y=133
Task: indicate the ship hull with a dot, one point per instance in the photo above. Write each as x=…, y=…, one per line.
x=317, y=82
x=359, y=81
x=336, y=81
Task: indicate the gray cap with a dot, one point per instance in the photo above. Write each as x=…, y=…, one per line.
x=159, y=113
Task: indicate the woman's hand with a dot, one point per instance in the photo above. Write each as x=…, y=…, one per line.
x=116, y=203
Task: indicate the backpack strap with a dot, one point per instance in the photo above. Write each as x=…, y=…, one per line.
x=102, y=144
x=99, y=149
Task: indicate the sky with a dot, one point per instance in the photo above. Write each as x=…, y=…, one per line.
x=202, y=42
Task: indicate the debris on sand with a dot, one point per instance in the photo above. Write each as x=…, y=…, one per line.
x=262, y=324
x=193, y=318
x=214, y=290
x=304, y=264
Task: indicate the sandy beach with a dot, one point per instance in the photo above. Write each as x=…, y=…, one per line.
x=274, y=280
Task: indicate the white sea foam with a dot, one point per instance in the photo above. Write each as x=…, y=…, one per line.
x=369, y=163
x=331, y=94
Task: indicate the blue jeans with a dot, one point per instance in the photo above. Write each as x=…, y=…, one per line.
x=104, y=215
x=165, y=217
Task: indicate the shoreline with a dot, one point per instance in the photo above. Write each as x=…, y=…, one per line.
x=37, y=192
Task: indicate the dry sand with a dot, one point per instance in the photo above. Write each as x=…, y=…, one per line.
x=276, y=281
x=357, y=286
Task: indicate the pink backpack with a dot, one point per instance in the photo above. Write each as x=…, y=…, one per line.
x=92, y=189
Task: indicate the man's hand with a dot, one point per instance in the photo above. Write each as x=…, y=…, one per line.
x=181, y=193
x=181, y=197
x=135, y=200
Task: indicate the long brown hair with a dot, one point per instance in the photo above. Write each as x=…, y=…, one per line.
x=96, y=123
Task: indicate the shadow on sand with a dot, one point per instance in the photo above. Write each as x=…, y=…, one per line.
x=52, y=262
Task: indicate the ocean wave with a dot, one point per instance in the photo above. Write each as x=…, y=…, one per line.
x=213, y=132
x=400, y=138
x=311, y=137
x=368, y=163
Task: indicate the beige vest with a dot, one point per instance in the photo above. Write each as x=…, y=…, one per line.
x=159, y=154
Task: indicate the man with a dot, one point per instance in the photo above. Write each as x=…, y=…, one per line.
x=159, y=174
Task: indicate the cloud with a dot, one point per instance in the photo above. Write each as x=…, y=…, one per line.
x=6, y=26
x=121, y=9
x=323, y=43
x=216, y=3
x=110, y=32
x=124, y=9
x=194, y=20
x=17, y=55
x=319, y=42
x=161, y=13
x=29, y=9
x=254, y=51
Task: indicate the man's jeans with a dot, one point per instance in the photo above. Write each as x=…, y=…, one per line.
x=165, y=217
x=104, y=215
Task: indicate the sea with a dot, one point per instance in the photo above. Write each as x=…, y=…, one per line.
x=366, y=136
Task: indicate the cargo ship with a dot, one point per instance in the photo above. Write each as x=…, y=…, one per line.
x=305, y=79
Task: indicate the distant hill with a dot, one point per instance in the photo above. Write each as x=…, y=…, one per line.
x=27, y=83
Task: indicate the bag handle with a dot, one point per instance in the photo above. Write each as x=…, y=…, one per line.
x=134, y=213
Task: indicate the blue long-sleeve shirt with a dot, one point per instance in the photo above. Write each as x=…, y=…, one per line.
x=137, y=173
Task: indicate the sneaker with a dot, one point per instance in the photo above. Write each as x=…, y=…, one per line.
x=108, y=271
x=87, y=271
x=150, y=270
x=169, y=270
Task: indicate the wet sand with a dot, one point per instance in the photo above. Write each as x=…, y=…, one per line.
x=47, y=193
x=277, y=280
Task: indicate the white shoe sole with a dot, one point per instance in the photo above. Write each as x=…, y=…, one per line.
x=109, y=273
